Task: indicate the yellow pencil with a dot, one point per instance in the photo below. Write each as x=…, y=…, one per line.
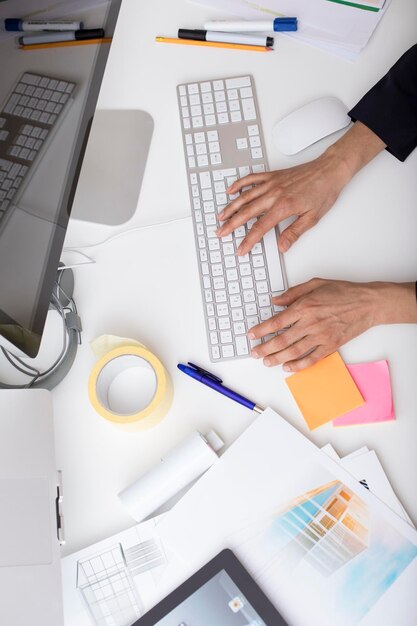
x=63, y=44
x=213, y=44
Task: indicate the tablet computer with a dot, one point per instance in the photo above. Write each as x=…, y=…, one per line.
x=221, y=593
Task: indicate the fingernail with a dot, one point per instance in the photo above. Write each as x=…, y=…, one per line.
x=221, y=215
x=285, y=245
x=240, y=251
x=219, y=232
x=286, y=368
x=267, y=362
x=255, y=354
x=251, y=336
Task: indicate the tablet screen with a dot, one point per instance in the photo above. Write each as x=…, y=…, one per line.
x=218, y=601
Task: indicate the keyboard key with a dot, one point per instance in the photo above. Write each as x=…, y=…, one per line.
x=215, y=352
x=195, y=100
x=246, y=92
x=207, y=98
x=218, y=85
x=226, y=336
x=198, y=122
x=236, y=83
x=239, y=328
x=249, y=295
x=230, y=261
x=224, y=323
x=234, y=106
x=223, y=118
x=248, y=109
x=247, y=282
x=205, y=87
x=235, y=116
x=251, y=308
x=220, y=296
x=242, y=348
x=252, y=321
x=222, y=310
x=221, y=107
x=257, y=153
x=262, y=287
x=242, y=143
x=202, y=160
x=237, y=315
x=212, y=323
x=264, y=300
x=192, y=88
x=265, y=313
x=210, y=120
x=215, y=159
x=201, y=148
x=228, y=351
x=235, y=301
x=214, y=339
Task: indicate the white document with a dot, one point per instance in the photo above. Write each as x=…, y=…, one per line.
x=365, y=466
x=324, y=549
x=335, y=27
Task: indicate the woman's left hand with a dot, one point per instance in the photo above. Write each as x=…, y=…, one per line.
x=321, y=315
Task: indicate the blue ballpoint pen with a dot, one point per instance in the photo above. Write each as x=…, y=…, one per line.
x=214, y=382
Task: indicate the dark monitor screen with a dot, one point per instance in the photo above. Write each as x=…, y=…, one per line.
x=33, y=222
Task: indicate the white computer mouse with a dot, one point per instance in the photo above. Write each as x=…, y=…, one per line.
x=309, y=124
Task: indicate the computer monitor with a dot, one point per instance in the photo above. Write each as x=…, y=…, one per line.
x=33, y=226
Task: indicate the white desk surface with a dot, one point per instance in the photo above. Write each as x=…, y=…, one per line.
x=145, y=284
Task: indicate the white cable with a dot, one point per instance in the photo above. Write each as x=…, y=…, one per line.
x=125, y=232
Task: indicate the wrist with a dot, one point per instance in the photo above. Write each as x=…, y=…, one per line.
x=394, y=303
x=357, y=147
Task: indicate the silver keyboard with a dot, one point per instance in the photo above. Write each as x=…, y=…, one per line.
x=31, y=112
x=223, y=141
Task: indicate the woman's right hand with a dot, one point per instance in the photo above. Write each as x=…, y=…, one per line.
x=305, y=192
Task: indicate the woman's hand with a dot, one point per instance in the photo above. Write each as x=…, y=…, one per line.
x=322, y=315
x=305, y=192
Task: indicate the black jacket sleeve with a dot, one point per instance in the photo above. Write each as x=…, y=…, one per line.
x=389, y=109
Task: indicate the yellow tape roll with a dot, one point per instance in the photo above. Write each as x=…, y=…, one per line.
x=128, y=385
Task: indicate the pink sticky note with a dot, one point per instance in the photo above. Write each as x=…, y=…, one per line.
x=374, y=383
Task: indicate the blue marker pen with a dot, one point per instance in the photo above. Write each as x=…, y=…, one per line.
x=279, y=24
x=214, y=382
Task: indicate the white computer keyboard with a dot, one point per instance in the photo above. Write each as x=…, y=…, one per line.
x=31, y=112
x=223, y=141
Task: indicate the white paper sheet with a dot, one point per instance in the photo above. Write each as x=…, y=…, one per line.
x=243, y=499
x=335, y=27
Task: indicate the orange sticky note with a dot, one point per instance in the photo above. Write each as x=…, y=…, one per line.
x=324, y=391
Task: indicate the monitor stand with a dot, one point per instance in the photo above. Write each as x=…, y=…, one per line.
x=113, y=167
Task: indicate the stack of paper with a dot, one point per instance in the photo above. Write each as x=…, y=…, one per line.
x=337, y=27
x=155, y=568
x=321, y=544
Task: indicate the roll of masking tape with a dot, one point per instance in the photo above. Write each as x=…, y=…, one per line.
x=128, y=385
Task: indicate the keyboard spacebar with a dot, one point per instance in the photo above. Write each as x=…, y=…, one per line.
x=273, y=261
